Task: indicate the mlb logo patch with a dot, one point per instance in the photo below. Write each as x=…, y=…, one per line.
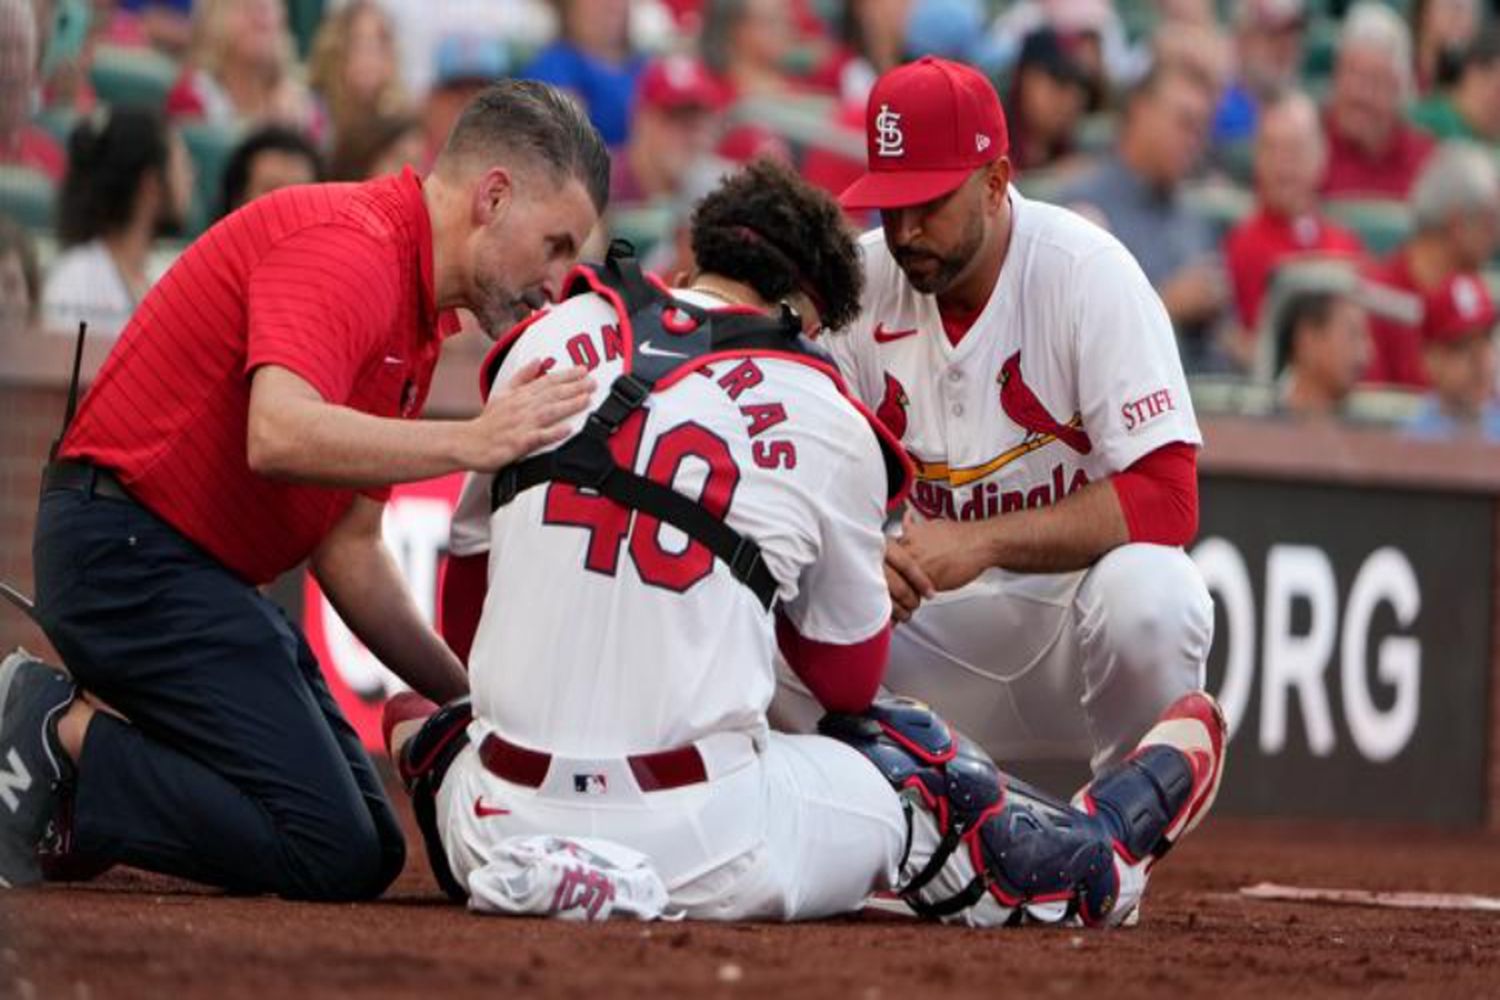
x=590, y=784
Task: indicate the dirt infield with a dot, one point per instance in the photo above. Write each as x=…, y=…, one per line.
x=133, y=935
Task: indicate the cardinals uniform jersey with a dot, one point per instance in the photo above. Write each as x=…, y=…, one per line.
x=605, y=632
x=1068, y=374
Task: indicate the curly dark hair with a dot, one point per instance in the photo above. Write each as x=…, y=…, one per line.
x=767, y=227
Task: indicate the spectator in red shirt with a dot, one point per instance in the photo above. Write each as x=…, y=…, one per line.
x=1456, y=209
x=1289, y=159
x=1372, y=150
x=23, y=144
x=253, y=415
x=672, y=127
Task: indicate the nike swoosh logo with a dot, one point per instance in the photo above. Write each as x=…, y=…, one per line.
x=482, y=811
x=884, y=336
x=658, y=352
x=393, y=360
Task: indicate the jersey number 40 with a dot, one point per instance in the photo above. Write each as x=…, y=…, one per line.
x=608, y=523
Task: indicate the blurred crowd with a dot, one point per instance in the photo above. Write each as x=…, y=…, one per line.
x=1311, y=185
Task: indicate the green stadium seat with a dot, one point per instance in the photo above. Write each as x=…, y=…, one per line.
x=28, y=196
x=304, y=16
x=1223, y=205
x=210, y=146
x=1388, y=407
x=1492, y=282
x=1096, y=133
x=128, y=76
x=1381, y=223
x=1043, y=184
x=644, y=226
x=1231, y=395
x=58, y=122
x=1318, y=48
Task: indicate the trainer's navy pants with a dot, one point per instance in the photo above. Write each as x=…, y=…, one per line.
x=236, y=768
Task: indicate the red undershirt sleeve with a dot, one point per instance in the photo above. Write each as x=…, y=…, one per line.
x=465, y=582
x=1159, y=495
x=843, y=678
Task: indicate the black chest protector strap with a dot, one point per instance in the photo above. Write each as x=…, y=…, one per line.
x=666, y=336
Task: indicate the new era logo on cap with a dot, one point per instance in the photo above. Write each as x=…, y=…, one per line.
x=929, y=125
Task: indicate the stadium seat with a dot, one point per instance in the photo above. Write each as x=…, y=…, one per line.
x=28, y=196
x=1096, y=133
x=210, y=146
x=304, y=16
x=1319, y=49
x=1231, y=394
x=1382, y=224
x=128, y=76
x=644, y=227
x=58, y=122
x=1387, y=406
x=1223, y=205
x=1044, y=184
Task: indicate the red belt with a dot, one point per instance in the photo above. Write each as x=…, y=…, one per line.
x=654, y=772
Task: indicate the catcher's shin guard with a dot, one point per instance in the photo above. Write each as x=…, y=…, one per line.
x=423, y=764
x=986, y=849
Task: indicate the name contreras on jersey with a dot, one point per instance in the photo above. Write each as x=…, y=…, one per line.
x=985, y=500
x=592, y=349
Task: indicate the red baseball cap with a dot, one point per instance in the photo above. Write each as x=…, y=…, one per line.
x=929, y=125
x=1460, y=307
x=679, y=82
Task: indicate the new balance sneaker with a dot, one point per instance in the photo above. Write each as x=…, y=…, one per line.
x=33, y=767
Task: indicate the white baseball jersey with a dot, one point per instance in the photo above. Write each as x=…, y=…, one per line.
x=605, y=632
x=1068, y=374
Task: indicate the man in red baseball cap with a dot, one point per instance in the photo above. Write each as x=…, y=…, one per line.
x=672, y=126
x=1032, y=373
x=1458, y=350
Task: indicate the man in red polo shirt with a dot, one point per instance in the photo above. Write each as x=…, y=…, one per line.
x=1456, y=211
x=1289, y=159
x=254, y=414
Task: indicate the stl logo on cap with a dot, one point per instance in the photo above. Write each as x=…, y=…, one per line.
x=950, y=124
x=889, y=139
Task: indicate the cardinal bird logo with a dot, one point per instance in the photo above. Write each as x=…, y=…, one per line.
x=892, y=408
x=1026, y=411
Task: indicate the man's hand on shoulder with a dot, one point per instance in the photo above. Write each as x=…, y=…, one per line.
x=529, y=413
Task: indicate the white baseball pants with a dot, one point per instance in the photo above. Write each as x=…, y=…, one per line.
x=799, y=828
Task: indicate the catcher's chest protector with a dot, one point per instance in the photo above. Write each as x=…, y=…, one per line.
x=664, y=338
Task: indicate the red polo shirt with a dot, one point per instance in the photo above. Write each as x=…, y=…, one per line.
x=1396, y=358
x=1354, y=173
x=1258, y=245
x=332, y=281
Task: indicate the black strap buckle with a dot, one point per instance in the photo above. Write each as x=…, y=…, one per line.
x=747, y=557
x=585, y=461
x=626, y=395
x=504, y=487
